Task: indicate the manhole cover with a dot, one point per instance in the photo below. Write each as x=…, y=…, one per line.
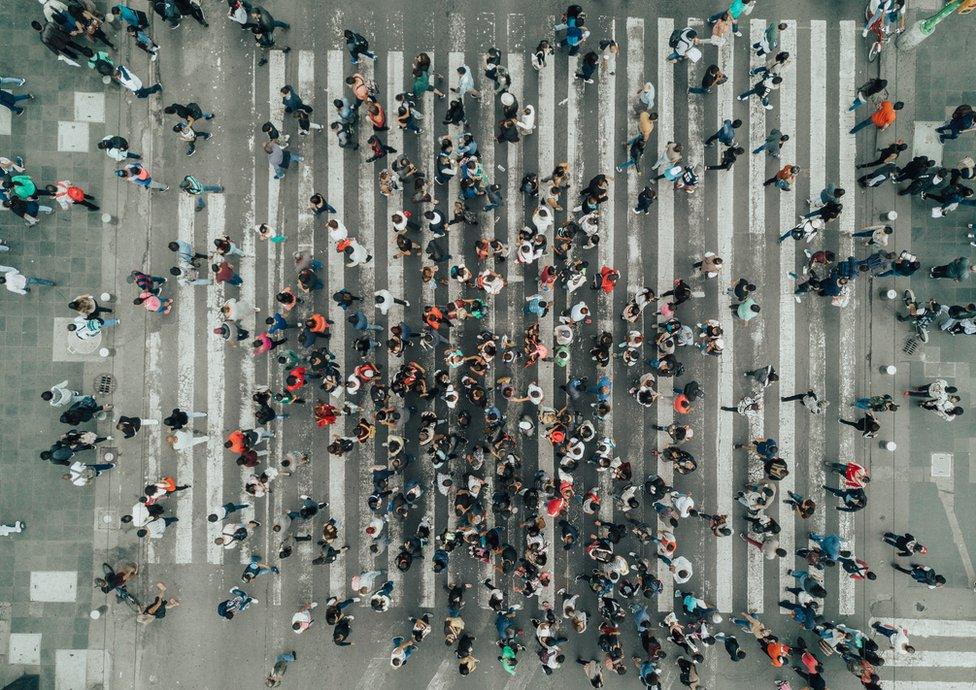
x=104, y=384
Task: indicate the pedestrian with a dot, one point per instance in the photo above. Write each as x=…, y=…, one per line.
x=139, y=175
x=883, y=117
x=870, y=88
x=280, y=667
x=129, y=426
x=279, y=158
x=117, y=148
x=868, y=425
x=358, y=46
x=198, y=189
x=713, y=77
x=186, y=133
x=958, y=270
x=133, y=83
x=18, y=283
x=773, y=143
x=922, y=574
x=906, y=544
x=10, y=100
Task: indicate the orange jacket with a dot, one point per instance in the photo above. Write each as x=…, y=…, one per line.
x=236, y=439
x=319, y=324
x=884, y=115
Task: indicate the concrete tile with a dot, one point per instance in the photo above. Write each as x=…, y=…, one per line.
x=70, y=669
x=5, y=118
x=72, y=136
x=926, y=141
x=89, y=107
x=24, y=648
x=54, y=585
x=942, y=465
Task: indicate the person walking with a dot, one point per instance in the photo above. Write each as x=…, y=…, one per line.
x=280, y=667
x=138, y=175
x=773, y=143
x=882, y=118
x=18, y=283
x=922, y=574
x=906, y=544
x=10, y=100
x=198, y=189
x=713, y=77
x=958, y=270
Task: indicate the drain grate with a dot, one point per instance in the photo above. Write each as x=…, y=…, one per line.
x=104, y=384
x=912, y=345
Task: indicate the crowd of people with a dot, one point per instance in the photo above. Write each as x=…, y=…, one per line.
x=475, y=382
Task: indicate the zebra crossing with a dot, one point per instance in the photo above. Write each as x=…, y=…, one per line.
x=730, y=214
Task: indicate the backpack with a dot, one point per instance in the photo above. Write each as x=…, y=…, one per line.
x=678, y=34
x=76, y=194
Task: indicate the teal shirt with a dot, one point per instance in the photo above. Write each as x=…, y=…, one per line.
x=744, y=310
x=736, y=8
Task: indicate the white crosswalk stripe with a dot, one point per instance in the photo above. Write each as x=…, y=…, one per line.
x=285, y=207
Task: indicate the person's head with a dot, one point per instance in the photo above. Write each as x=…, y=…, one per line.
x=888, y=230
x=781, y=552
x=71, y=326
x=46, y=396
x=36, y=25
x=347, y=34
x=940, y=580
x=777, y=80
x=268, y=148
x=46, y=455
x=839, y=192
x=739, y=150
x=781, y=26
x=957, y=411
x=285, y=90
x=872, y=575
x=141, y=533
x=736, y=123
x=219, y=541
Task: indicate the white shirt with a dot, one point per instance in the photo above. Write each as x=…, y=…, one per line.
x=156, y=528
x=304, y=618
x=681, y=563
x=86, y=328
x=16, y=281
x=80, y=475
x=127, y=78
x=140, y=515
x=228, y=533
x=62, y=395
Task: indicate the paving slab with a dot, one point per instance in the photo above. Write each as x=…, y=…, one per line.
x=54, y=586
x=89, y=107
x=72, y=136
x=24, y=649
x=70, y=669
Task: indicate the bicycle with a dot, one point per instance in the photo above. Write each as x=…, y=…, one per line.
x=124, y=596
x=882, y=33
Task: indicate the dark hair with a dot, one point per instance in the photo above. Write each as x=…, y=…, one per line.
x=898, y=105
x=47, y=395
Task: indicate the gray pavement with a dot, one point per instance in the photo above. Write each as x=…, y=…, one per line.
x=161, y=362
